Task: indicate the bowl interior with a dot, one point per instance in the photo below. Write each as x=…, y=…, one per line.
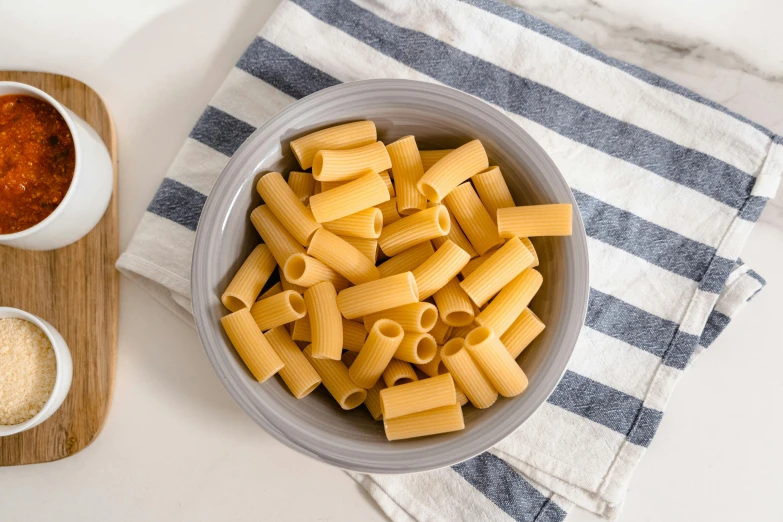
x=439, y=117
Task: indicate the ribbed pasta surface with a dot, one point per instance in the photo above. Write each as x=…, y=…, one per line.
x=414, y=397
x=431, y=422
x=373, y=400
x=511, y=301
x=346, y=164
x=366, y=191
x=325, y=321
x=464, y=204
x=285, y=307
x=379, y=348
x=417, y=348
x=457, y=236
x=249, y=279
x=382, y=294
x=341, y=257
x=366, y=223
x=298, y=374
x=406, y=164
x=467, y=375
x=250, y=344
x=494, y=361
x=493, y=191
x=303, y=185
x=497, y=271
x=414, y=317
x=334, y=375
x=454, y=305
x=346, y=136
x=451, y=170
x=441, y=331
x=535, y=220
x=306, y=271
x=287, y=207
x=368, y=247
x=414, y=229
x=522, y=331
x=276, y=237
x=389, y=211
x=439, y=269
x=398, y=373
x=431, y=157
x=407, y=260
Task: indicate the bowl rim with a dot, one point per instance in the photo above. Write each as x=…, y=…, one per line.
x=9, y=312
x=211, y=213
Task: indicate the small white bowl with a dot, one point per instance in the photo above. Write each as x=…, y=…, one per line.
x=90, y=190
x=62, y=381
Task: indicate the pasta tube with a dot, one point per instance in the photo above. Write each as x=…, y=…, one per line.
x=521, y=333
x=535, y=220
x=334, y=376
x=497, y=271
x=414, y=229
x=462, y=399
x=454, y=305
x=439, y=269
x=278, y=310
x=500, y=369
x=472, y=265
x=368, y=247
x=303, y=185
x=431, y=422
x=510, y=302
x=378, y=350
x=341, y=257
x=406, y=163
x=529, y=245
x=273, y=290
x=493, y=191
x=345, y=164
x=453, y=169
x=306, y=271
x=366, y=191
x=467, y=375
x=288, y=285
x=287, y=207
x=280, y=242
x=398, y=373
x=389, y=185
x=249, y=279
x=406, y=261
x=329, y=185
x=346, y=136
x=298, y=374
x=431, y=157
x=417, y=348
x=373, y=400
x=368, y=298
x=465, y=206
x=414, y=317
x=457, y=236
x=414, y=397
x=354, y=334
x=250, y=344
x=389, y=211
x=325, y=321
x=435, y=367
x=441, y=331
x=366, y=223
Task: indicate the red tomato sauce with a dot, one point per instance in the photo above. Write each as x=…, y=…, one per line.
x=37, y=161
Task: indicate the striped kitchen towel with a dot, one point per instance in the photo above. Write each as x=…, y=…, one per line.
x=669, y=186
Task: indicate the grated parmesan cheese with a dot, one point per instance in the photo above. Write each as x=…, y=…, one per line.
x=27, y=370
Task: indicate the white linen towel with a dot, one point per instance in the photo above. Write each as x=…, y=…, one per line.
x=669, y=186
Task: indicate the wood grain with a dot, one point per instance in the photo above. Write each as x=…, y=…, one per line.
x=74, y=288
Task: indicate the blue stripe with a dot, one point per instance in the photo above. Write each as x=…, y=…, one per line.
x=178, y=203
x=755, y=275
x=653, y=243
x=221, y=131
x=716, y=323
x=681, y=350
x=538, y=103
x=715, y=278
x=612, y=408
x=519, y=17
x=282, y=70
x=751, y=210
x=508, y=490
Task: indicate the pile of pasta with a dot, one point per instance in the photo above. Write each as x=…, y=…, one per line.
x=405, y=279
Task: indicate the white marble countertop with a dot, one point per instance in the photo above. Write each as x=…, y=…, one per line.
x=176, y=447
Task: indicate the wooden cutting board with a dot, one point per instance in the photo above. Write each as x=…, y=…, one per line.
x=74, y=288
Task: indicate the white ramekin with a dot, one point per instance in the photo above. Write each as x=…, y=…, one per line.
x=62, y=381
x=89, y=192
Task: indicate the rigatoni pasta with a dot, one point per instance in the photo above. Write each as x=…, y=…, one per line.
x=385, y=293
x=249, y=279
x=280, y=309
x=346, y=136
x=441, y=331
x=272, y=290
x=454, y=168
x=306, y=271
x=341, y=257
x=454, y=306
x=366, y=223
x=345, y=164
x=354, y=334
x=276, y=237
x=365, y=191
x=467, y=375
x=498, y=270
x=414, y=397
x=493, y=191
x=389, y=211
x=414, y=229
x=368, y=247
x=287, y=207
x=431, y=157
x=495, y=362
x=325, y=321
x=250, y=344
x=297, y=373
x=521, y=333
x=510, y=302
x=417, y=348
x=406, y=164
x=529, y=245
x=414, y=317
x=303, y=185
x=430, y=422
x=535, y=220
x=334, y=376
x=406, y=261
x=457, y=236
x=382, y=341
x=473, y=218
x=398, y=372
x=439, y=269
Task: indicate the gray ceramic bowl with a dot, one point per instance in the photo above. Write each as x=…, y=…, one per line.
x=439, y=117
